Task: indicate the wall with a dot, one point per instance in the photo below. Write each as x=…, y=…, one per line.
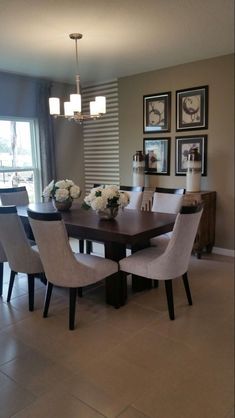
x=18, y=95
x=218, y=73
x=68, y=142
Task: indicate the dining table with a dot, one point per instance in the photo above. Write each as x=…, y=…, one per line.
x=130, y=229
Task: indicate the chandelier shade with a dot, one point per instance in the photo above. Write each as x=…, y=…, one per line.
x=73, y=108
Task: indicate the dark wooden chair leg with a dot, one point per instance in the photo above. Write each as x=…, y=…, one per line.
x=81, y=246
x=1, y=278
x=155, y=283
x=187, y=288
x=31, y=291
x=72, y=306
x=80, y=292
x=47, y=299
x=170, y=300
x=89, y=247
x=11, y=283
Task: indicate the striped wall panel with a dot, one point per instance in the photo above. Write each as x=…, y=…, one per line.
x=101, y=137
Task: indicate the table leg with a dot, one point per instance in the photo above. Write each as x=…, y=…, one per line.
x=116, y=285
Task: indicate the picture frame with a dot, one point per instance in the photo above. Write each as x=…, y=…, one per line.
x=183, y=145
x=157, y=156
x=192, y=109
x=157, y=113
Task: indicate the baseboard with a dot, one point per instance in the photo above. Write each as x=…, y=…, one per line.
x=223, y=251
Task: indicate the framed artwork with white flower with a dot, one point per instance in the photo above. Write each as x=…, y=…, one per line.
x=192, y=109
x=157, y=112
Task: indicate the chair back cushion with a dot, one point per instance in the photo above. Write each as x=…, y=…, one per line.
x=17, y=196
x=167, y=202
x=175, y=259
x=20, y=256
x=60, y=265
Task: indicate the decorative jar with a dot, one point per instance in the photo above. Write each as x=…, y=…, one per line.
x=138, y=167
x=108, y=213
x=194, y=170
x=62, y=206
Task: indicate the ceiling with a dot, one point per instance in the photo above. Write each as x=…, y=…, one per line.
x=120, y=37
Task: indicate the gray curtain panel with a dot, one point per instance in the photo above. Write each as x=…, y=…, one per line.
x=46, y=137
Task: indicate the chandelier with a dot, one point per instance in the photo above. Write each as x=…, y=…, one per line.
x=73, y=108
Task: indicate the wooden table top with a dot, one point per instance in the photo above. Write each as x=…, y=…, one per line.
x=129, y=227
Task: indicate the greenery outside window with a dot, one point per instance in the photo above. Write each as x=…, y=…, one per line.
x=19, y=155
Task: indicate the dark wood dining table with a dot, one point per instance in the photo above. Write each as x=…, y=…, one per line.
x=130, y=229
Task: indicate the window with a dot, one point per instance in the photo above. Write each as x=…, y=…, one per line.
x=19, y=156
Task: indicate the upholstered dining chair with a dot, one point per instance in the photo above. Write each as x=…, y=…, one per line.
x=166, y=200
x=136, y=196
x=63, y=267
x=159, y=263
x=21, y=256
x=3, y=259
x=17, y=196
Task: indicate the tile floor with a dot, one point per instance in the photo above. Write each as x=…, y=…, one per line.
x=126, y=363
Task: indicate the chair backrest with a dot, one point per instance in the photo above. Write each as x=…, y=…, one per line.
x=20, y=256
x=175, y=259
x=3, y=256
x=136, y=196
x=60, y=265
x=167, y=200
x=14, y=196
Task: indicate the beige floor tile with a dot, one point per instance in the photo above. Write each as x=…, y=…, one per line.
x=12, y=397
x=58, y=404
x=132, y=362
x=132, y=413
x=35, y=372
x=110, y=385
x=10, y=347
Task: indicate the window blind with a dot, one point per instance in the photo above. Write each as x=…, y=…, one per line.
x=101, y=137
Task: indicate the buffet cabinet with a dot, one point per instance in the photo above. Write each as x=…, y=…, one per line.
x=205, y=238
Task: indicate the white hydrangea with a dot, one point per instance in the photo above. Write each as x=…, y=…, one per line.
x=48, y=189
x=62, y=184
x=108, y=196
x=99, y=203
x=62, y=190
x=75, y=191
x=124, y=199
x=61, y=195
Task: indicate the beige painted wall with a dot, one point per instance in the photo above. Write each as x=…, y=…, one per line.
x=218, y=73
x=68, y=143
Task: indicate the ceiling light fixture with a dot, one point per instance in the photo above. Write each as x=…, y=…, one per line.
x=73, y=108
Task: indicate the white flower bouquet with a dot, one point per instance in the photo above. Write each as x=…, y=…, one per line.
x=104, y=197
x=62, y=190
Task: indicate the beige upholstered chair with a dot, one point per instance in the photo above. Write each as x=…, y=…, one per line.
x=171, y=262
x=3, y=258
x=17, y=196
x=22, y=258
x=62, y=266
x=166, y=201
x=136, y=196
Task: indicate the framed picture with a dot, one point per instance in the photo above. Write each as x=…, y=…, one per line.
x=157, y=113
x=192, y=109
x=183, y=146
x=157, y=156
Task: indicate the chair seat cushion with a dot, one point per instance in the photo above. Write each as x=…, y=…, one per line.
x=138, y=262
x=95, y=268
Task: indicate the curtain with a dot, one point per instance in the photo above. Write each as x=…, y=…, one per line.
x=46, y=137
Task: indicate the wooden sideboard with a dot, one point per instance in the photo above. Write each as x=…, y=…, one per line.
x=205, y=238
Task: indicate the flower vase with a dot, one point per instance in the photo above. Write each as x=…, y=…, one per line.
x=108, y=213
x=62, y=206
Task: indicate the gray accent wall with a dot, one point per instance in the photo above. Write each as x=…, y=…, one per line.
x=218, y=74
